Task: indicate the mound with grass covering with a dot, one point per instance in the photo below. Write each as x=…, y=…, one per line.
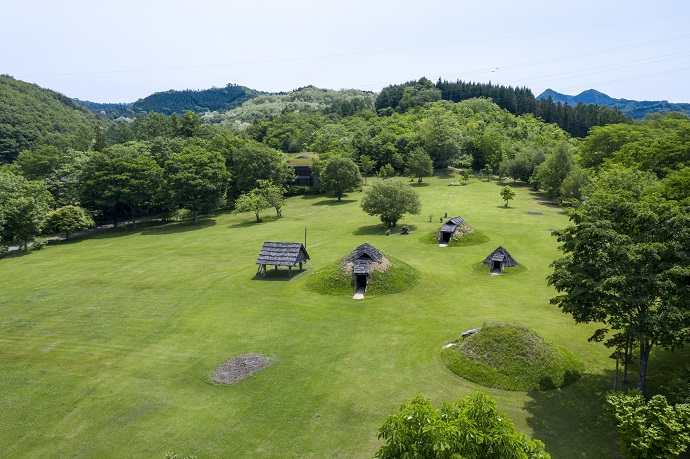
x=511, y=357
x=462, y=237
x=392, y=276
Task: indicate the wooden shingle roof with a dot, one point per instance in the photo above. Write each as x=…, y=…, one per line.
x=282, y=254
x=366, y=252
x=502, y=255
x=361, y=267
x=450, y=225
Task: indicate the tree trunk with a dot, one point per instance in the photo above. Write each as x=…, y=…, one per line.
x=645, y=348
x=196, y=217
x=626, y=361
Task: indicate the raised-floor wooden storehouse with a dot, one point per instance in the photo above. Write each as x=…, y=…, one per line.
x=361, y=259
x=448, y=229
x=499, y=260
x=282, y=254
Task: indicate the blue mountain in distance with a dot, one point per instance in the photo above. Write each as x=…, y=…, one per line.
x=635, y=108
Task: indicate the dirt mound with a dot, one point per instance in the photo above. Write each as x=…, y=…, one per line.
x=239, y=368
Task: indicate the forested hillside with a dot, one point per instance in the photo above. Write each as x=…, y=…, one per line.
x=635, y=108
x=173, y=101
x=574, y=120
x=31, y=116
x=305, y=100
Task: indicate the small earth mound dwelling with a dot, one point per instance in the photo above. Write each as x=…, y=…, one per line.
x=362, y=258
x=499, y=260
x=448, y=229
x=281, y=254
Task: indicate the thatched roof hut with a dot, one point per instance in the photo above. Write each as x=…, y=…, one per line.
x=282, y=254
x=449, y=228
x=499, y=259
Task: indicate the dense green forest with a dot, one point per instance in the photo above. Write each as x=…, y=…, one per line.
x=173, y=101
x=31, y=116
x=575, y=120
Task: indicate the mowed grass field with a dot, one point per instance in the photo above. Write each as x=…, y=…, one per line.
x=108, y=343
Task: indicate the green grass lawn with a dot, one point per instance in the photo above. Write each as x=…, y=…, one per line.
x=108, y=343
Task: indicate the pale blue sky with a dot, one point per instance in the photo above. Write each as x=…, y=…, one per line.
x=119, y=51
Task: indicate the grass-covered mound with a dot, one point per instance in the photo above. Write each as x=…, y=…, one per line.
x=480, y=267
x=512, y=357
x=459, y=239
x=334, y=279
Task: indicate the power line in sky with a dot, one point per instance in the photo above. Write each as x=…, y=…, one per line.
x=393, y=50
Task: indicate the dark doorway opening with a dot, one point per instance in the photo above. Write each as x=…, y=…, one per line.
x=496, y=268
x=445, y=238
x=361, y=282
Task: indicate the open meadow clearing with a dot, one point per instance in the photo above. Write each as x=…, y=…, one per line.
x=108, y=343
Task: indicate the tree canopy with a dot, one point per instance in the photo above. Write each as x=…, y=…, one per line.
x=390, y=200
x=471, y=428
x=626, y=267
x=340, y=175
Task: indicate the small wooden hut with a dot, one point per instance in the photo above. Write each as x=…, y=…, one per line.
x=448, y=229
x=499, y=260
x=282, y=254
x=361, y=258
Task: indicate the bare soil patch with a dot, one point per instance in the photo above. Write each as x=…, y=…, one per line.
x=239, y=368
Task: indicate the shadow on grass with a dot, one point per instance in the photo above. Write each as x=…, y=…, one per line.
x=333, y=202
x=252, y=222
x=279, y=275
x=572, y=421
x=177, y=227
x=420, y=185
x=380, y=230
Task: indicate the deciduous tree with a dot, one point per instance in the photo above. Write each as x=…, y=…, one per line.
x=197, y=179
x=254, y=201
x=23, y=206
x=626, y=267
x=471, y=428
x=339, y=176
x=650, y=429
x=390, y=200
x=507, y=194
x=419, y=164
x=67, y=219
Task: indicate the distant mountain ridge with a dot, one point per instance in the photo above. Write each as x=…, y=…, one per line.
x=635, y=108
x=174, y=101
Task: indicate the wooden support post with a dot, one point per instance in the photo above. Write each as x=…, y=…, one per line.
x=300, y=266
x=289, y=271
x=264, y=269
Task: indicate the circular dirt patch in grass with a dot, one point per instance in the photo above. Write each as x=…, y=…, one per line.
x=389, y=276
x=239, y=368
x=512, y=357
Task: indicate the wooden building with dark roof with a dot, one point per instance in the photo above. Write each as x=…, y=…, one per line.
x=282, y=254
x=499, y=259
x=448, y=229
x=361, y=259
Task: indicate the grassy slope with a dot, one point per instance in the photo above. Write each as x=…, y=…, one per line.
x=107, y=344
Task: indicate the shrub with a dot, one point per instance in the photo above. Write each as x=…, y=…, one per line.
x=182, y=214
x=40, y=242
x=388, y=232
x=404, y=230
x=3, y=249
